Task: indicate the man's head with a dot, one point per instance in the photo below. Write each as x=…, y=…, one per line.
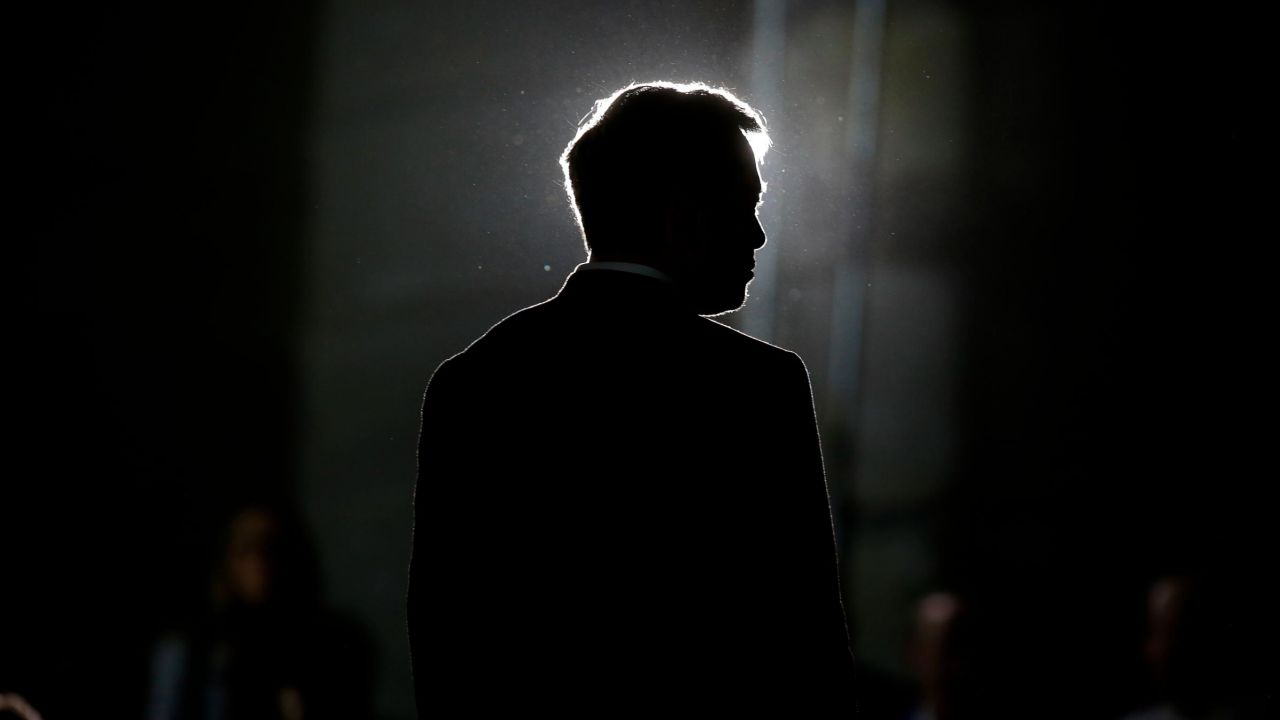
x=665, y=175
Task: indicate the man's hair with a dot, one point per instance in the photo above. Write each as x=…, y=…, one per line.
x=646, y=144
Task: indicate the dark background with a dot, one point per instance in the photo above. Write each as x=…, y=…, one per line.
x=247, y=233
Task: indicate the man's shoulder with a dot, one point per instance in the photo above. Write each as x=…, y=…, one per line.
x=549, y=328
x=745, y=346
x=520, y=327
x=525, y=326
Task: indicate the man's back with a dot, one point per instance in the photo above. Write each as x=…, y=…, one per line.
x=621, y=500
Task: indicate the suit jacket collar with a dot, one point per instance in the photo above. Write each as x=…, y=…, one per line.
x=619, y=289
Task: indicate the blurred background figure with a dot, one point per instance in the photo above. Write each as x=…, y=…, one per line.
x=262, y=647
x=13, y=705
x=1198, y=650
x=941, y=658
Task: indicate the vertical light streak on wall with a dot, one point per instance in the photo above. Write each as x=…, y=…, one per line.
x=768, y=64
x=851, y=269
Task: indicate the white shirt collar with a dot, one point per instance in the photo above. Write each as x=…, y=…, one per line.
x=636, y=268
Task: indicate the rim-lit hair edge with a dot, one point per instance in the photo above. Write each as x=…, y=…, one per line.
x=759, y=140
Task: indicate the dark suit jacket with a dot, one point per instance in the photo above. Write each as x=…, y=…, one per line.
x=622, y=504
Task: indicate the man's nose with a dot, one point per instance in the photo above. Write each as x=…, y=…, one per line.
x=758, y=237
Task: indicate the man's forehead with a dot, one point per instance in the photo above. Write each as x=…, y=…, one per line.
x=724, y=169
x=739, y=172
x=732, y=181
x=747, y=179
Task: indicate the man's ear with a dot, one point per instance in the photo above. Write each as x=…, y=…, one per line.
x=681, y=215
x=675, y=225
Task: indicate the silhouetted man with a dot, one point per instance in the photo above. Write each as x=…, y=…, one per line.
x=621, y=503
